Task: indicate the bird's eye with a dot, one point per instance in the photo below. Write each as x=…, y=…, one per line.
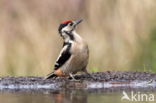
x=71, y=24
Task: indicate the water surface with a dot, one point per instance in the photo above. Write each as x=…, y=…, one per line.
x=69, y=96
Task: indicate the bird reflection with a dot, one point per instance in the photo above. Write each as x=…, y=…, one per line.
x=70, y=96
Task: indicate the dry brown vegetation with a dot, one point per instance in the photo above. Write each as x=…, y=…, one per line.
x=116, y=31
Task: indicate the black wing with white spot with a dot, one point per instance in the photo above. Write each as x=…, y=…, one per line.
x=64, y=56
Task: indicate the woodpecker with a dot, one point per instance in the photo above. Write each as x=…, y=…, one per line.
x=74, y=55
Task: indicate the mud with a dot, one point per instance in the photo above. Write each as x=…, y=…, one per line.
x=109, y=80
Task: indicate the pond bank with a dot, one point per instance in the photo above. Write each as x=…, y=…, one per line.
x=104, y=80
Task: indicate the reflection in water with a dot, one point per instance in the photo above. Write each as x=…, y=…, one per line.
x=70, y=96
x=62, y=96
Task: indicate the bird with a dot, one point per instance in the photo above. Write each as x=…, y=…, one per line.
x=74, y=55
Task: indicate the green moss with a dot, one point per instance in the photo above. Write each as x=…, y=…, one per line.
x=153, y=48
x=94, y=69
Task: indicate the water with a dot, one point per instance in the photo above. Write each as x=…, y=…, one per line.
x=90, y=92
x=69, y=96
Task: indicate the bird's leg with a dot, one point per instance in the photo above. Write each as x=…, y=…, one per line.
x=71, y=75
x=73, y=78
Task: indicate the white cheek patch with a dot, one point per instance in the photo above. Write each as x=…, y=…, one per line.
x=67, y=29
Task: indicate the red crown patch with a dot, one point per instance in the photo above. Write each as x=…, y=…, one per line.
x=65, y=22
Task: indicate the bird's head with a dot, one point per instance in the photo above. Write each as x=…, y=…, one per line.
x=67, y=27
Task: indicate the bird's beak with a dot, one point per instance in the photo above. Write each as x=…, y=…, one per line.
x=77, y=21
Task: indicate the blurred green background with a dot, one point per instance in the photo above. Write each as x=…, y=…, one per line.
x=121, y=34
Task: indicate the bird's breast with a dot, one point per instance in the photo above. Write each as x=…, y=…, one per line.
x=80, y=55
x=79, y=58
x=79, y=49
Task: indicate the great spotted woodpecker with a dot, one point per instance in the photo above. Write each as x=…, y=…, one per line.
x=74, y=55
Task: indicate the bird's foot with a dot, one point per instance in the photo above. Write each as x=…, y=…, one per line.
x=72, y=78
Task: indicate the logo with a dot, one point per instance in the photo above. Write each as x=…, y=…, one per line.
x=138, y=96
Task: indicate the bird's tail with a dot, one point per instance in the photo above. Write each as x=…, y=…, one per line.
x=51, y=75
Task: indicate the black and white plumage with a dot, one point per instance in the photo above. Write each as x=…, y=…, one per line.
x=74, y=55
x=64, y=56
